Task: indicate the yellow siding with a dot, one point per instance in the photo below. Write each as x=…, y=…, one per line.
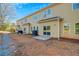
x=53, y=29
x=64, y=11
x=69, y=16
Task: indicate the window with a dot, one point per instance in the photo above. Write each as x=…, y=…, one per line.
x=36, y=17
x=75, y=5
x=46, y=28
x=34, y=27
x=44, y=14
x=37, y=28
x=77, y=28
x=66, y=27
x=46, y=33
x=24, y=29
x=47, y=13
x=18, y=26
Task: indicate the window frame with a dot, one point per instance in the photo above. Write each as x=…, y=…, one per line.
x=48, y=27
x=46, y=33
x=73, y=7
x=37, y=28
x=76, y=28
x=46, y=30
x=36, y=17
x=64, y=28
x=46, y=12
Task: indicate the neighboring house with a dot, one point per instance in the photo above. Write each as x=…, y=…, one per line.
x=56, y=20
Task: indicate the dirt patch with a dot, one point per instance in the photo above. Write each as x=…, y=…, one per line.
x=28, y=46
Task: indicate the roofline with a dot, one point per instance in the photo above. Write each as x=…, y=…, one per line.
x=52, y=4
x=21, y=18
x=51, y=19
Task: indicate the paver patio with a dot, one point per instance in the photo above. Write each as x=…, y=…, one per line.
x=28, y=46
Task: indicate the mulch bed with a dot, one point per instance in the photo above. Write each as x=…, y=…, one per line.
x=70, y=40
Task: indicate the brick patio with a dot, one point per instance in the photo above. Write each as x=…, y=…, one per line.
x=27, y=46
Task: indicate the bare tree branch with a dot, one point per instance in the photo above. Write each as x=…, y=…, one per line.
x=7, y=11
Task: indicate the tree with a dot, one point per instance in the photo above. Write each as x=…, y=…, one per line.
x=5, y=26
x=7, y=11
x=8, y=26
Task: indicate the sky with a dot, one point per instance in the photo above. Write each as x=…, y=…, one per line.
x=24, y=9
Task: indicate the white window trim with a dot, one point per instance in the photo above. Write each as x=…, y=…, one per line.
x=72, y=7
x=45, y=12
x=69, y=27
x=75, y=30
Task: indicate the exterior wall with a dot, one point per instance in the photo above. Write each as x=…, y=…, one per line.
x=25, y=29
x=64, y=11
x=67, y=13
x=53, y=28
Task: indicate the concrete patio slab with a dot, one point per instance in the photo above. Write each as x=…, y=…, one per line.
x=42, y=37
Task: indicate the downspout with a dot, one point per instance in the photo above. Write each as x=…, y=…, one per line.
x=58, y=29
x=29, y=28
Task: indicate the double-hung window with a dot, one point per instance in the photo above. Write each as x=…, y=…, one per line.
x=77, y=28
x=36, y=17
x=66, y=27
x=75, y=6
x=47, y=13
x=35, y=28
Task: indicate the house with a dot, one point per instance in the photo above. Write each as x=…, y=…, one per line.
x=56, y=20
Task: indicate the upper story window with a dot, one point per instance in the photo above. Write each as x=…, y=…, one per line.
x=25, y=20
x=75, y=5
x=36, y=17
x=47, y=13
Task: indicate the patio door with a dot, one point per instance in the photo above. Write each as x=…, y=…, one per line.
x=46, y=30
